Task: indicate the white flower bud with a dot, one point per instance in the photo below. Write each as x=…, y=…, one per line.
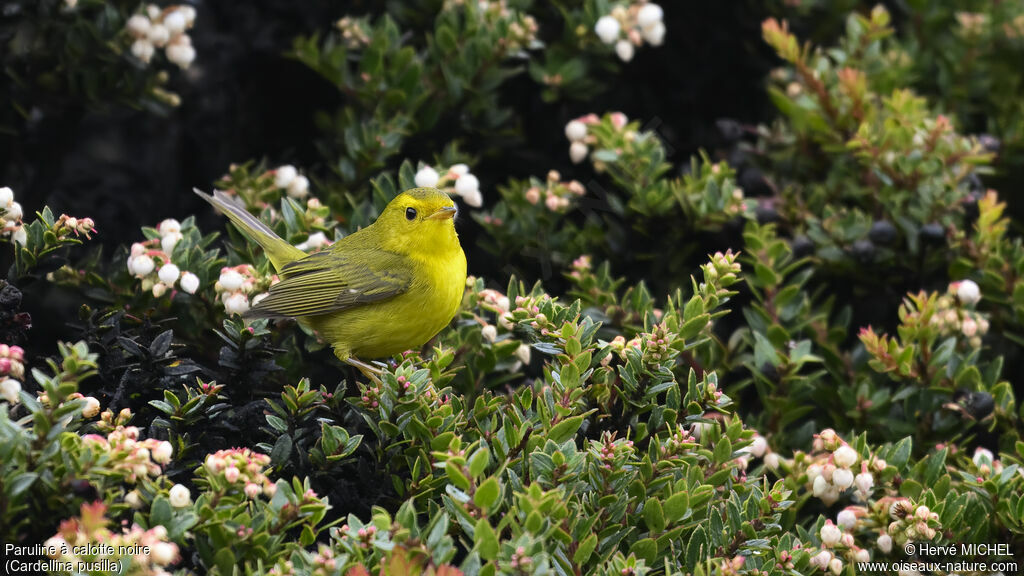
x=830, y=534
x=846, y=519
x=575, y=130
x=466, y=184
x=473, y=198
x=315, y=240
x=6, y=196
x=133, y=500
x=607, y=29
x=624, y=49
x=180, y=496
x=884, y=543
x=143, y=50
x=189, y=13
x=9, y=388
x=168, y=242
x=284, y=175
x=231, y=280
x=299, y=187
x=968, y=292
x=771, y=461
x=14, y=211
x=427, y=177
x=169, y=274
x=237, y=303
x=758, y=446
x=143, y=265
x=578, y=152
x=189, y=282
x=175, y=22
x=159, y=289
x=835, y=566
x=163, y=553
x=649, y=15
x=91, y=408
x=459, y=169
x=523, y=353
x=138, y=25
x=842, y=478
x=654, y=34
x=20, y=236
x=162, y=453
x=865, y=482
x=821, y=559
x=181, y=54
x=168, y=226
x=252, y=490
x=820, y=486
x=845, y=456
x=158, y=35
x=153, y=11
x=489, y=332
x=862, y=555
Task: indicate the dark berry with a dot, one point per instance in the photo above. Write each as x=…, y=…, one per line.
x=753, y=182
x=730, y=129
x=933, y=233
x=802, y=246
x=979, y=404
x=766, y=215
x=882, y=232
x=863, y=250
x=770, y=371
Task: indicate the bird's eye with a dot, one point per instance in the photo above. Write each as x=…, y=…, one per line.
x=410, y=213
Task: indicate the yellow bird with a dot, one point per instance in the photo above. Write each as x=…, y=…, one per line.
x=387, y=288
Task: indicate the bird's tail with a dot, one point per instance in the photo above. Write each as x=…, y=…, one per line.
x=277, y=249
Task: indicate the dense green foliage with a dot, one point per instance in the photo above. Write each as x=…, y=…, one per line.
x=731, y=410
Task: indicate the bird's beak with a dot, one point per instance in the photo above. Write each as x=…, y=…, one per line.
x=443, y=213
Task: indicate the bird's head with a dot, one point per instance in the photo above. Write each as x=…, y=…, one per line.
x=420, y=219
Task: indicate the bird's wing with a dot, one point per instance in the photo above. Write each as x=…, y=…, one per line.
x=328, y=282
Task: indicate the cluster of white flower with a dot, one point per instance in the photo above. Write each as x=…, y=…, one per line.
x=465, y=184
x=10, y=218
x=830, y=479
x=234, y=286
x=153, y=265
x=580, y=140
x=287, y=178
x=837, y=539
x=629, y=27
x=156, y=28
x=555, y=193
x=963, y=320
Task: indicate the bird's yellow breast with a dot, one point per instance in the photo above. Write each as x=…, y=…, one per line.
x=406, y=321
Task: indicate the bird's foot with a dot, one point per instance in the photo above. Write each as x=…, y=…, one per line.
x=370, y=371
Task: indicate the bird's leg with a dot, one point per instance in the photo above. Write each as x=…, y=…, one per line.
x=368, y=370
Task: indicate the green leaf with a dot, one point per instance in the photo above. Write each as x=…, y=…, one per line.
x=487, y=493
x=646, y=549
x=565, y=429
x=485, y=540
x=676, y=506
x=455, y=475
x=589, y=544
x=696, y=548
x=654, y=515
x=478, y=461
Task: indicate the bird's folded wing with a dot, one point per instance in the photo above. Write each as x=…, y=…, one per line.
x=327, y=282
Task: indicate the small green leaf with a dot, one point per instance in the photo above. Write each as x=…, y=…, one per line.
x=485, y=540
x=487, y=493
x=654, y=515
